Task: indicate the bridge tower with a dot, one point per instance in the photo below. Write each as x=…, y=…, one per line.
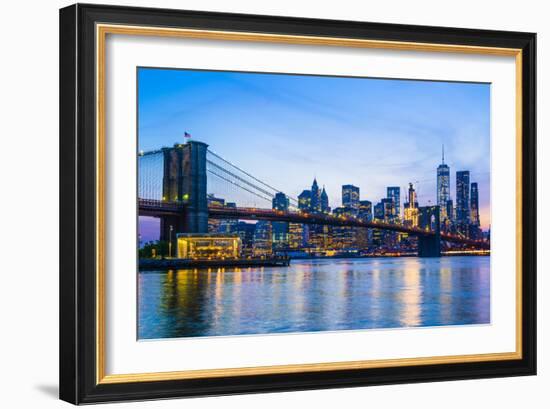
x=184, y=180
x=430, y=246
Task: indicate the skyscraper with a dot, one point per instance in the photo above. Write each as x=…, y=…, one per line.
x=410, y=211
x=450, y=211
x=280, y=201
x=474, y=204
x=280, y=229
x=350, y=197
x=364, y=236
x=384, y=211
x=365, y=210
x=344, y=237
x=325, y=208
x=411, y=197
x=378, y=214
x=394, y=193
x=314, y=234
x=443, y=186
x=315, y=197
x=463, y=197
x=389, y=209
x=379, y=211
x=474, y=231
x=304, y=201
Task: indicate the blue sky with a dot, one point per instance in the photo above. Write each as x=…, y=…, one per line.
x=288, y=129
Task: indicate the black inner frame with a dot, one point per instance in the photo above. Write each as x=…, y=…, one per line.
x=78, y=198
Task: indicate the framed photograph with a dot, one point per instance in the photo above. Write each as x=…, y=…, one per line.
x=257, y=203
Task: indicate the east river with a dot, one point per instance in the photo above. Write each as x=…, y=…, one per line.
x=315, y=295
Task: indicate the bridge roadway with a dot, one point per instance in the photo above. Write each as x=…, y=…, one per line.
x=156, y=208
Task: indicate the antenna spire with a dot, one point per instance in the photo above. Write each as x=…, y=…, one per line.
x=443, y=154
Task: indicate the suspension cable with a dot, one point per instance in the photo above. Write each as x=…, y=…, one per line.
x=236, y=184
x=240, y=179
x=248, y=174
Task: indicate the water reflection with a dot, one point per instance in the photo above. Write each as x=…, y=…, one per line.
x=314, y=295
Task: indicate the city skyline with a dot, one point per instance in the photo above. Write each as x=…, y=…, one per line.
x=305, y=108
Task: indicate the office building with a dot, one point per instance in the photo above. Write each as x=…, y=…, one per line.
x=463, y=197
x=344, y=237
x=315, y=197
x=297, y=235
x=365, y=210
x=474, y=204
x=443, y=186
x=350, y=197
x=410, y=212
x=280, y=229
x=450, y=211
x=394, y=193
x=304, y=201
x=325, y=208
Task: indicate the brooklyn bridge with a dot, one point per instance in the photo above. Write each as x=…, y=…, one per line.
x=173, y=186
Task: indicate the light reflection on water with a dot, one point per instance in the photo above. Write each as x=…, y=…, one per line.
x=315, y=295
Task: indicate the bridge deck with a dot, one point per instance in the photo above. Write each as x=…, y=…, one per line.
x=159, y=208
